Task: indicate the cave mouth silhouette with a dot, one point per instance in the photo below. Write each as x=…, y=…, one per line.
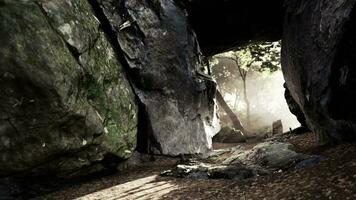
x=265, y=93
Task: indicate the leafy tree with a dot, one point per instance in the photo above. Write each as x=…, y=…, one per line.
x=261, y=57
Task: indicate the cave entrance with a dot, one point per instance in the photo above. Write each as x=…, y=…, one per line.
x=250, y=80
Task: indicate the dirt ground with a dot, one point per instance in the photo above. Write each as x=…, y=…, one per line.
x=332, y=178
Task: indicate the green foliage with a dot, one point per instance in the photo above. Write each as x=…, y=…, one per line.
x=266, y=57
x=230, y=66
x=261, y=57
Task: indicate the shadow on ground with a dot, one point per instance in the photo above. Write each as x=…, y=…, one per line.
x=332, y=178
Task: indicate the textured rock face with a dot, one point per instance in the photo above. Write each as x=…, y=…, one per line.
x=294, y=107
x=318, y=59
x=228, y=134
x=163, y=55
x=275, y=155
x=66, y=107
x=66, y=104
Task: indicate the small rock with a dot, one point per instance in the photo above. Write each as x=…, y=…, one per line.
x=313, y=160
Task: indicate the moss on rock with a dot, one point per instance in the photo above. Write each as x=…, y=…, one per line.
x=65, y=102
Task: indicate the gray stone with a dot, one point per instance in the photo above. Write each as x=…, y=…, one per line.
x=294, y=107
x=210, y=171
x=273, y=155
x=239, y=163
x=163, y=55
x=230, y=172
x=229, y=135
x=65, y=104
x=318, y=59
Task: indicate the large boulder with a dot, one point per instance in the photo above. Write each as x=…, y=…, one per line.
x=228, y=134
x=270, y=155
x=318, y=59
x=275, y=155
x=66, y=107
x=163, y=55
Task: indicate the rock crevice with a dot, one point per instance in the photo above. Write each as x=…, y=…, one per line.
x=179, y=106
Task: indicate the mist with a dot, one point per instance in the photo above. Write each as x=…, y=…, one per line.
x=265, y=92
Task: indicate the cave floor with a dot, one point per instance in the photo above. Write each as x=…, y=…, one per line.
x=333, y=178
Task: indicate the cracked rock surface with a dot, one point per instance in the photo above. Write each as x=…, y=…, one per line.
x=321, y=80
x=71, y=72
x=164, y=60
x=66, y=107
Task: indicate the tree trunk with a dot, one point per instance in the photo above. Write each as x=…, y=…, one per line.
x=247, y=104
x=235, y=120
x=236, y=99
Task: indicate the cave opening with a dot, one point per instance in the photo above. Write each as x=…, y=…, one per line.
x=251, y=83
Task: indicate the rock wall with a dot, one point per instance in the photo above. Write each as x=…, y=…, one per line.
x=164, y=59
x=294, y=107
x=71, y=72
x=318, y=59
x=66, y=107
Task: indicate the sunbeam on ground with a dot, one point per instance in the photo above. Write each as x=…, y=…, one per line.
x=144, y=188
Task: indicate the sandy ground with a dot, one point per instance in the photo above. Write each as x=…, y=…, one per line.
x=333, y=178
